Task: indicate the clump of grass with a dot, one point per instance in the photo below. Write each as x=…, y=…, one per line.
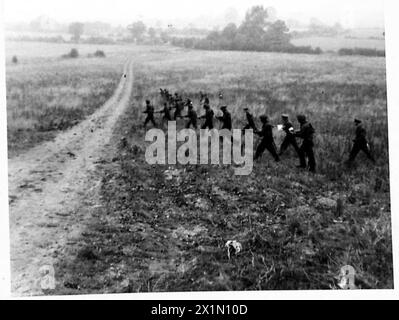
x=99, y=54
x=74, y=53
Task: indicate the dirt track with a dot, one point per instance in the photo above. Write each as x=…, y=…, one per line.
x=47, y=184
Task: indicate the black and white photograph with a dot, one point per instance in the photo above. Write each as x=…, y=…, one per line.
x=197, y=146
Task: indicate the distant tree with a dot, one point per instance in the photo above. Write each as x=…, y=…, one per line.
x=76, y=29
x=14, y=59
x=277, y=35
x=229, y=32
x=213, y=36
x=164, y=36
x=137, y=29
x=258, y=32
x=255, y=22
x=338, y=28
x=152, y=33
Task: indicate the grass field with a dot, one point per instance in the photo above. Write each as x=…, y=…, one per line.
x=154, y=234
x=47, y=94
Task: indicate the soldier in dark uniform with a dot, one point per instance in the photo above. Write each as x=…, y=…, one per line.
x=166, y=113
x=179, y=106
x=225, y=118
x=306, y=133
x=289, y=136
x=360, y=143
x=187, y=104
x=250, y=121
x=150, y=114
x=267, y=139
x=192, y=117
x=208, y=116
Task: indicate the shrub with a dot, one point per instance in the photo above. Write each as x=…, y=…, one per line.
x=14, y=59
x=242, y=44
x=99, y=54
x=74, y=53
x=361, y=52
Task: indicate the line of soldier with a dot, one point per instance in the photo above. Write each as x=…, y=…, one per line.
x=306, y=131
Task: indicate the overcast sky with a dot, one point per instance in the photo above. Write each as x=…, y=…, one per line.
x=351, y=13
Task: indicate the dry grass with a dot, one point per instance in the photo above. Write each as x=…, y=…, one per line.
x=151, y=234
x=47, y=94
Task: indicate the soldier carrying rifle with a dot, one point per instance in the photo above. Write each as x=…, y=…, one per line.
x=192, y=116
x=166, y=113
x=225, y=118
x=360, y=143
x=289, y=138
x=306, y=133
x=208, y=116
x=179, y=106
x=150, y=114
x=267, y=139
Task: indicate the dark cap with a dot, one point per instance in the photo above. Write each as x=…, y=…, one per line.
x=223, y=107
x=357, y=121
x=147, y=101
x=246, y=109
x=206, y=106
x=284, y=116
x=264, y=117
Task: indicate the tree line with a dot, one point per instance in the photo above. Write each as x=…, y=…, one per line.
x=255, y=33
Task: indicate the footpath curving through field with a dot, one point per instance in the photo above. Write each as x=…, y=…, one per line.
x=47, y=184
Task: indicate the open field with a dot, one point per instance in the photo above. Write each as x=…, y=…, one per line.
x=149, y=233
x=336, y=43
x=47, y=94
